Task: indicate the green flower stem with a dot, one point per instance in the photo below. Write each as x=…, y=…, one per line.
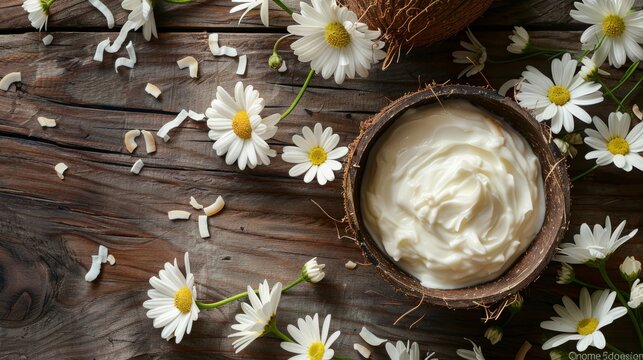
x=528, y=56
x=626, y=76
x=275, y=331
x=613, y=348
x=587, y=285
x=632, y=91
x=283, y=6
x=207, y=306
x=301, y=93
x=293, y=284
x=579, y=176
x=609, y=94
x=276, y=46
x=621, y=298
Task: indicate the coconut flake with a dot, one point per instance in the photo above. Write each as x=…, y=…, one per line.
x=94, y=270
x=150, y=143
x=9, y=79
x=122, y=35
x=130, y=140
x=283, y=67
x=195, y=204
x=137, y=167
x=105, y=10
x=227, y=51
x=46, y=122
x=189, y=62
x=203, y=226
x=111, y=259
x=123, y=61
x=214, y=208
x=178, y=120
x=60, y=170
x=243, y=62
x=196, y=116
x=362, y=350
x=370, y=338
x=504, y=88
x=102, y=253
x=350, y=265
x=637, y=112
x=153, y=90
x=48, y=39
x=178, y=215
x=213, y=44
x=100, y=50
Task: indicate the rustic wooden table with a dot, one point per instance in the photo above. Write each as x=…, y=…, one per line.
x=270, y=226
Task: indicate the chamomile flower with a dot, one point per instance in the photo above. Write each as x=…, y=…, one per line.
x=315, y=154
x=475, y=354
x=312, y=271
x=334, y=41
x=583, y=323
x=141, y=14
x=519, y=40
x=248, y=5
x=38, y=12
x=590, y=68
x=566, y=274
x=636, y=294
x=591, y=245
x=475, y=56
x=559, y=100
x=172, y=302
x=630, y=268
x=310, y=343
x=401, y=351
x=615, y=143
x=613, y=21
x=257, y=316
x=237, y=128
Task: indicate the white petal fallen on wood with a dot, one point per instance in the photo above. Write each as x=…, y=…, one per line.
x=203, y=226
x=189, y=62
x=196, y=116
x=130, y=140
x=243, y=63
x=150, y=143
x=100, y=50
x=522, y=352
x=213, y=44
x=283, y=67
x=178, y=215
x=123, y=61
x=94, y=270
x=178, y=120
x=153, y=90
x=362, y=350
x=105, y=10
x=195, y=204
x=48, y=39
x=350, y=265
x=137, y=167
x=111, y=259
x=46, y=122
x=370, y=338
x=60, y=170
x=637, y=112
x=122, y=35
x=9, y=79
x=102, y=253
x=214, y=208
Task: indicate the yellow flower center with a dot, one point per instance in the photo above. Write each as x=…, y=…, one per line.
x=587, y=326
x=317, y=155
x=183, y=300
x=241, y=125
x=618, y=146
x=316, y=351
x=336, y=35
x=613, y=25
x=558, y=95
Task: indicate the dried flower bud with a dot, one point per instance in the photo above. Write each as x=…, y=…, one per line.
x=558, y=354
x=275, y=61
x=493, y=334
x=312, y=271
x=565, y=274
x=630, y=268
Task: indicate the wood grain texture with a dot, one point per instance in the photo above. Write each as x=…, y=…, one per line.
x=49, y=228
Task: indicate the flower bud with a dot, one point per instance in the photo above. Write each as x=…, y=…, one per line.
x=563, y=146
x=636, y=295
x=493, y=334
x=558, y=354
x=630, y=268
x=312, y=271
x=275, y=61
x=565, y=274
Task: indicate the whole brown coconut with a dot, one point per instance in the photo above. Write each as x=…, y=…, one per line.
x=406, y=24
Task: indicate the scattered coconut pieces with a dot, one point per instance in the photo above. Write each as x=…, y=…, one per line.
x=178, y=120
x=213, y=44
x=97, y=260
x=195, y=204
x=178, y=215
x=9, y=79
x=228, y=51
x=637, y=112
x=203, y=227
x=243, y=63
x=150, y=143
x=153, y=90
x=130, y=140
x=370, y=338
x=105, y=10
x=350, y=265
x=215, y=208
x=522, y=352
x=46, y=122
x=111, y=259
x=102, y=253
x=283, y=67
x=122, y=35
x=191, y=63
x=127, y=62
x=100, y=50
x=137, y=167
x=60, y=170
x=362, y=350
x=48, y=39
x=196, y=116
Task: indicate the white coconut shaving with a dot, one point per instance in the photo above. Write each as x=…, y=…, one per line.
x=178, y=120
x=130, y=140
x=100, y=50
x=60, y=170
x=150, y=143
x=243, y=63
x=370, y=338
x=9, y=79
x=196, y=116
x=105, y=10
x=48, y=39
x=283, y=67
x=127, y=62
x=137, y=167
x=122, y=35
x=203, y=226
x=46, y=122
x=362, y=350
x=178, y=215
x=214, y=208
x=111, y=259
x=228, y=51
x=213, y=44
x=195, y=204
x=102, y=253
x=153, y=90
x=637, y=112
x=191, y=63
x=94, y=270
x=350, y=265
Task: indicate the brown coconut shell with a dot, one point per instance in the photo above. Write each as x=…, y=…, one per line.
x=406, y=24
x=535, y=258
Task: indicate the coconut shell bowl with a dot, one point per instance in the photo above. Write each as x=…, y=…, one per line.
x=530, y=264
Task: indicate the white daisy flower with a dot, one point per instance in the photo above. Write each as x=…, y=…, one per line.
x=401, y=351
x=616, y=143
x=561, y=99
x=313, y=271
x=38, y=12
x=172, y=302
x=591, y=245
x=630, y=268
x=519, y=40
x=591, y=69
x=310, y=343
x=257, y=316
x=616, y=23
x=583, y=323
x=334, y=41
x=475, y=354
x=251, y=4
x=315, y=154
x=566, y=274
x=142, y=14
x=475, y=55
x=636, y=294
x=237, y=128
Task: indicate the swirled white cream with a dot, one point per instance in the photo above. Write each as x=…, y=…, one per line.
x=453, y=195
